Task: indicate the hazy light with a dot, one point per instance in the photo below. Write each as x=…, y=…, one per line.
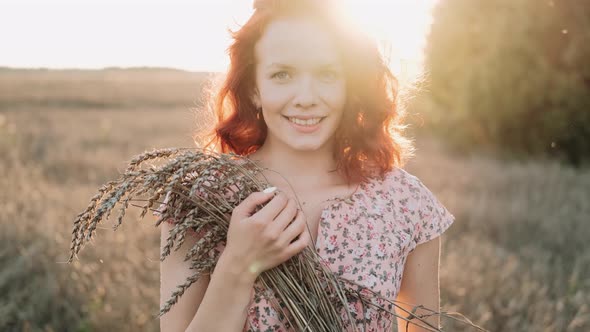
x=400, y=26
x=186, y=34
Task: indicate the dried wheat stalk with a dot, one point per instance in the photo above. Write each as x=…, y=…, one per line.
x=203, y=188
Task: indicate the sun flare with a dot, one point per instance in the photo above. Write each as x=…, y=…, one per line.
x=181, y=34
x=399, y=26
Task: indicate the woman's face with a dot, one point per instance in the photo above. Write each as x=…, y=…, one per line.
x=299, y=78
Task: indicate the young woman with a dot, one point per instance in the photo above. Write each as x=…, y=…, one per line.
x=311, y=98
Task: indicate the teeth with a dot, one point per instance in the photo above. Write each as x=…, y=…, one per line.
x=309, y=122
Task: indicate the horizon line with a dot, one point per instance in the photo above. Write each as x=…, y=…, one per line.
x=3, y=67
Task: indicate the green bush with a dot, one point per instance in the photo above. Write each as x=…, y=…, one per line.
x=512, y=75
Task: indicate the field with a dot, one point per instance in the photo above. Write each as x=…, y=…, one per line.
x=516, y=259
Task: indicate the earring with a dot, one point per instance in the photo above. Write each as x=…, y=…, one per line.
x=259, y=113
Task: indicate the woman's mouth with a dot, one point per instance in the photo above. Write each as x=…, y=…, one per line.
x=305, y=126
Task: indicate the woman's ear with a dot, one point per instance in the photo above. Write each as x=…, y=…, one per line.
x=256, y=99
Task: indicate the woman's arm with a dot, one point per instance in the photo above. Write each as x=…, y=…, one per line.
x=420, y=285
x=216, y=303
x=264, y=238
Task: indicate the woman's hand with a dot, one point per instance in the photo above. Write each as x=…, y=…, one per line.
x=260, y=241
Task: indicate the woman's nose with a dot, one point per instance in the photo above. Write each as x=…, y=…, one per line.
x=305, y=95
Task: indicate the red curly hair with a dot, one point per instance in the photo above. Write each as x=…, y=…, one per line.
x=369, y=138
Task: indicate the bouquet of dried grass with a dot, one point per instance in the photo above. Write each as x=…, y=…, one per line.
x=202, y=189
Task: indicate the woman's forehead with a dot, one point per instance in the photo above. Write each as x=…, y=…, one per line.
x=296, y=42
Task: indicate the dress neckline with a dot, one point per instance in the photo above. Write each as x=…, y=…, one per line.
x=347, y=198
x=327, y=208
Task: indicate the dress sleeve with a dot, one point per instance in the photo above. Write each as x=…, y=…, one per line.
x=433, y=217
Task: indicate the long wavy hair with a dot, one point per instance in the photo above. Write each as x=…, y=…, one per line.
x=369, y=138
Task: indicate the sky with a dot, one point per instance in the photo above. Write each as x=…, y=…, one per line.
x=190, y=35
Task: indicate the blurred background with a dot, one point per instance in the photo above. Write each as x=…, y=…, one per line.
x=498, y=100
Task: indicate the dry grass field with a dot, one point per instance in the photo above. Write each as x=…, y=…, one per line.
x=516, y=259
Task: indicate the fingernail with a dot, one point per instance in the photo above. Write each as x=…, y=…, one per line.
x=269, y=190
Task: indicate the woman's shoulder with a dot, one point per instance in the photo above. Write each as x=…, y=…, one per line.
x=397, y=178
x=399, y=184
x=412, y=201
x=216, y=174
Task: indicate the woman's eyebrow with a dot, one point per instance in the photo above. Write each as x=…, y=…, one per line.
x=329, y=65
x=280, y=65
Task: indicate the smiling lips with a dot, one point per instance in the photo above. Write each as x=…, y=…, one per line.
x=308, y=125
x=306, y=122
x=305, y=119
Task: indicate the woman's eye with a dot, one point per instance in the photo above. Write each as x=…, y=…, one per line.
x=281, y=75
x=329, y=75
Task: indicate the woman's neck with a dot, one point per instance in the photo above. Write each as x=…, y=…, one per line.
x=300, y=167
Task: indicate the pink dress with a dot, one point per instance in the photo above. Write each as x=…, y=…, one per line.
x=367, y=240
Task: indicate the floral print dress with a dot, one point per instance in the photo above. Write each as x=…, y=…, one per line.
x=366, y=239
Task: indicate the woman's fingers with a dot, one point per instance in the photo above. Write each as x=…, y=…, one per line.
x=298, y=245
x=247, y=207
x=285, y=217
x=272, y=209
x=298, y=227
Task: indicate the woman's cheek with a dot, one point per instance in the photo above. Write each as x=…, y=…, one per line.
x=275, y=99
x=335, y=96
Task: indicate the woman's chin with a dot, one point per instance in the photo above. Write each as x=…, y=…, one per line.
x=305, y=145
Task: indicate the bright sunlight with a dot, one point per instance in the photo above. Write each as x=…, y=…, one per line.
x=189, y=35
